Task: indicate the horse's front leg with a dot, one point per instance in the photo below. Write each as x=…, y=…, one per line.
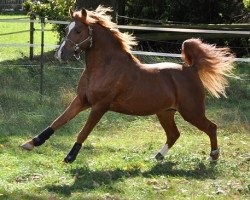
x=74, y=108
x=94, y=117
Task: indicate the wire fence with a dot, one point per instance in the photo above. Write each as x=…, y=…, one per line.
x=10, y=5
x=17, y=43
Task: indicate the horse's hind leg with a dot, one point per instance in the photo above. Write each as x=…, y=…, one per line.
x=197, y=118
x=166, y=119
x=74, y=108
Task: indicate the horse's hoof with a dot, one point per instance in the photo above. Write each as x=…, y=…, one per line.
x=28, y=146
x=73, y=153
x=214, y=155
x=69, y=159
x=212, y=160
x=159, y=157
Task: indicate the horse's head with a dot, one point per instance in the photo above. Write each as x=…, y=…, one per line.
x=78, y=36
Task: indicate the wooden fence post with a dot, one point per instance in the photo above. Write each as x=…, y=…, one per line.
x=42, y=59
x=32, y=29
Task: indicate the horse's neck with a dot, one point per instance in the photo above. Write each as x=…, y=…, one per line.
x=106, y=49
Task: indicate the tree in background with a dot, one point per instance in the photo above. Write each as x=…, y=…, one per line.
x=189, y=11
x=247, y=6
x=51, y=9
x=117, y=5
x=246, y=3
x=59, y=9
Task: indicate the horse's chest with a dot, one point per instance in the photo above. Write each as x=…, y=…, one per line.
x=94, y=95
x=98, y=92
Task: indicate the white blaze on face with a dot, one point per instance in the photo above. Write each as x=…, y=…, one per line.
x=59, y=52
x=71, y=26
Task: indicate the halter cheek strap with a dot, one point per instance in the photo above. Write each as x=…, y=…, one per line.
x=89, y=39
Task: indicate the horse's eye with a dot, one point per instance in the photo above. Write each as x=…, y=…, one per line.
x=78, y=31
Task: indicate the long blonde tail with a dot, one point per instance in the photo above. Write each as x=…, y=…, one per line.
x=213, y=64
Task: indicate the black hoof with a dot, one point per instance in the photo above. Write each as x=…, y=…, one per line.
x=73, y=153
x=159, y=157
x=69, y=159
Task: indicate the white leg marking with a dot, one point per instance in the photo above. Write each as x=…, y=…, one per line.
x=211, y=159
x=164, y=150
x=213, y=153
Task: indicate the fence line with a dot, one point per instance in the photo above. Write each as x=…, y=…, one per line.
x=42, y=21
x=144, y=28
x=145, y=53
x=7, y=4
x=151, y=20
x=182, y=30
x=27, y=45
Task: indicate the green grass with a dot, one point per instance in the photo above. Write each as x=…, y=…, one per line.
x=116, y=161
x=22, y=38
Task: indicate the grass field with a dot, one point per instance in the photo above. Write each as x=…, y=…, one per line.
x=116, y=161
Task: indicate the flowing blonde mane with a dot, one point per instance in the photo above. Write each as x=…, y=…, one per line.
x=101, y=17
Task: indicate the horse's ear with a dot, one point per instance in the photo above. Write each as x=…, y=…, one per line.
x=71, y=12
x=84, y=12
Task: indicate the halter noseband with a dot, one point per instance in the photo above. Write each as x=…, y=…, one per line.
x=76, y=46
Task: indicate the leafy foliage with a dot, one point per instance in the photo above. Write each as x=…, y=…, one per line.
x=213, y=11
x=52, y=9
x=247, y=3
x=202, y=11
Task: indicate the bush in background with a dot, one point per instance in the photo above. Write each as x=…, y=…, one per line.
x=216, y=12
x=51, y=9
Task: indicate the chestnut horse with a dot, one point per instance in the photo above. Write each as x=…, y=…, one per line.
x=114, y=80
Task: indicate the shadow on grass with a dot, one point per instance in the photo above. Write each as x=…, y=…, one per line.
x=88, y=180
x=23, y=196
x=167, y=169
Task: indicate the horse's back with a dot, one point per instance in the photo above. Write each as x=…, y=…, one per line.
x=163, y=65
x=183, y=77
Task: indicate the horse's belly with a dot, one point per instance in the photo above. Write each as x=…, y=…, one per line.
x=147, y=96
x=142, y=105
